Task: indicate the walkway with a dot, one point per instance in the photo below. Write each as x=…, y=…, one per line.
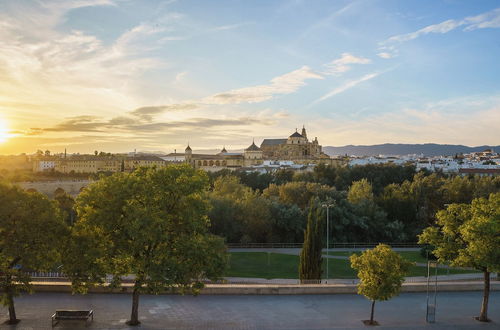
x=343, y=311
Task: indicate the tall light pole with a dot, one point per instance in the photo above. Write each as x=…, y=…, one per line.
x=327, y=206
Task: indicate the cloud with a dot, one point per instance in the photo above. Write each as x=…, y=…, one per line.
x=443, y=27
x=281, y=85
x=348, y=85
x=146, y=113
x=229, y=27
x=385, y=55
x=489, y=19
x=341, y=64
x=124, y=124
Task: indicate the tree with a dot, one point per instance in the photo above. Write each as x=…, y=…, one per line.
x=66, y=204
x=31, y=228
x=381, y=272
x=299, y=193
x=311, y=258
x=360, y=191
x=467, y=235
x=151, y=223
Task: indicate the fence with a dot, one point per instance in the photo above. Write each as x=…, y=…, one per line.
x=333, y=245
x=59, y=277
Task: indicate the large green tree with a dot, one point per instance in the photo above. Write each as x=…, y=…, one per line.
x=468, y=235
x=381, y=272
x=311, y=259
x=151, y=223
x=31, y=229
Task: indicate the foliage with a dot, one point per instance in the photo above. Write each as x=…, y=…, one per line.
x=66, y=204
x=311, y=258
x=381, y=272
x=241, y=214
x=467, y=235
x=360, y=191
x=31, y=228
x=151, y=223
x=299, y=193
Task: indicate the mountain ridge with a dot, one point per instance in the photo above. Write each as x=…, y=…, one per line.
x=402, y=149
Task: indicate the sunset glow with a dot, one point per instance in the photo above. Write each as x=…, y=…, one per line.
x=4, y=135
x=152, y=75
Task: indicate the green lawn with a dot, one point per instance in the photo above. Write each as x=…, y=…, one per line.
x=413, y=256
x=274, y=265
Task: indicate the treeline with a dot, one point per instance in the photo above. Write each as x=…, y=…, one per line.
x=373, y=203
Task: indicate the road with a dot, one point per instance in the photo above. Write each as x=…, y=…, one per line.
x=455, y=310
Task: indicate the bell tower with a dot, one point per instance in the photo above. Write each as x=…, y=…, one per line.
x=304, y=134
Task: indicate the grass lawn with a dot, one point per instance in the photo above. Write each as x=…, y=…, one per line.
x=275, y=265
x=413, y=256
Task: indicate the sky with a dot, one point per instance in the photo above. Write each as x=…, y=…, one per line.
x=119, y=75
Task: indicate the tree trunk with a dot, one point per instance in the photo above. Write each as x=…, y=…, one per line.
x=483, y=317
x=373, y=309
x=12, y=310
x=134, y=316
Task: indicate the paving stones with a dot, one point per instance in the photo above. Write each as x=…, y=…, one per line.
x=455, y=310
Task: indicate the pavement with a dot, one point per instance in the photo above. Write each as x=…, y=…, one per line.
x=455, y=310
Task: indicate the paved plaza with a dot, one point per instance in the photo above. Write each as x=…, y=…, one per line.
x=455, y=310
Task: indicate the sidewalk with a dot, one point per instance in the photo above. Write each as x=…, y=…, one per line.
x=455, y=310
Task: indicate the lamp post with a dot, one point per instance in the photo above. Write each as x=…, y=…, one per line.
x=327, y=206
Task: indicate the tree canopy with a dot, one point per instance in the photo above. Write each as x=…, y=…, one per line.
x=151, y=223
x=381, y=272
x=31, y=230
x=467, y=235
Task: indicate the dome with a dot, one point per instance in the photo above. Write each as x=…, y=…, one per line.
x=296, y=134
x=252, y=147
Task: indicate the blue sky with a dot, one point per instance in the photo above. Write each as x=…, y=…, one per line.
x=116, y=75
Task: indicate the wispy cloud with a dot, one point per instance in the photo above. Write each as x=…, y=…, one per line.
x=284, y=84
x=287, y=83
x=229, y=26
x=385, y=55
x=343, y=64
x=147, y=113
x=348, y=85
x=490, y=19
x=443, y=27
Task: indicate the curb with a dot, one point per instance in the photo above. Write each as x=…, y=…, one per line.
x=280, y=289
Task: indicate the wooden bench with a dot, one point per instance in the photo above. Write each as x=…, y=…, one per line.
x=65, y=315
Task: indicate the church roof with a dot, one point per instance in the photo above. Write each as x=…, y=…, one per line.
x=223, y=150
x=188, y=148
x=296, y=134
x=272, y=142
x=252, y=147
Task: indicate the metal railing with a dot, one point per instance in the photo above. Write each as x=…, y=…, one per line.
x=333, y=245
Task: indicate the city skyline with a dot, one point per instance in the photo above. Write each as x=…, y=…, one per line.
x=119, y=75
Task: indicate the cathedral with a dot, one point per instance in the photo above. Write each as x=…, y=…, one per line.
x=296, y=148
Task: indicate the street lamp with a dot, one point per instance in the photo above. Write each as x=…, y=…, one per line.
x=327, y=206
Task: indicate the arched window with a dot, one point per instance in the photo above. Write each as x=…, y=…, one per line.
x=211, y=163
x=204, y=163
x=217, y=163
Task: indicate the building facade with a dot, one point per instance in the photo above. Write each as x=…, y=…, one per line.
x=296, y=147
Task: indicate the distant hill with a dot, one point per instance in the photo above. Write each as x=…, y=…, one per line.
x=427, y=149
